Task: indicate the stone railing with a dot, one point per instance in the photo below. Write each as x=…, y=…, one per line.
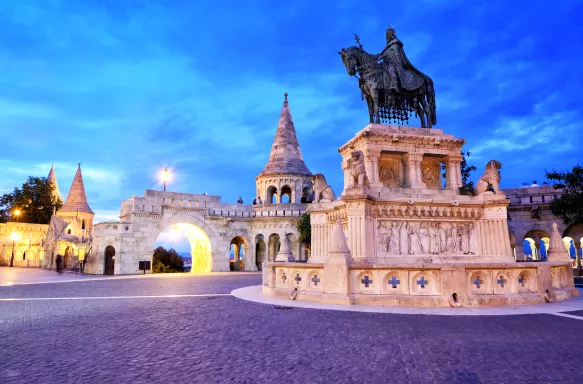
x=472, y=284
x=532, y=195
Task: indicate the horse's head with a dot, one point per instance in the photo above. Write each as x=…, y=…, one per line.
x=350, y=60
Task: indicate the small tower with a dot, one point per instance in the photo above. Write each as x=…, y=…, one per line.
x=53, y=177
x=76, y=210
x=285, y=173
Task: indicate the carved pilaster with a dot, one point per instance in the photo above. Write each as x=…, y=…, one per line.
x=372, y=166
x=413, y=167
x=453, y=172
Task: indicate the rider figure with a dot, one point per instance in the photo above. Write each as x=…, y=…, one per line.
x=391, y=56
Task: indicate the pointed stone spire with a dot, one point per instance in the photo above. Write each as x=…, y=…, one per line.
x=53, y=178
x=339, y=244
x=284, y=253
x=77, y=199
x=557, y=250
x=286, y=156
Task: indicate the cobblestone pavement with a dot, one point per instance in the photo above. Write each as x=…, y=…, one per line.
x=221, y=339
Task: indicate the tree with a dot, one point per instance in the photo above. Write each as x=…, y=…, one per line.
x=33, y=203
x=305, y=229
x=569, y=206
x=467, y=187
x=167, y=261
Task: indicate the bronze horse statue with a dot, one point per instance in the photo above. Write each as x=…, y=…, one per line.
x=389, y=97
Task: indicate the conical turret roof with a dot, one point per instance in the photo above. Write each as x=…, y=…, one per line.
x=53, y=177
x=76, y=200
x=286, y=156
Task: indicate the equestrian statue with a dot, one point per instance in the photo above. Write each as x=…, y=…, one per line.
x=392, y=87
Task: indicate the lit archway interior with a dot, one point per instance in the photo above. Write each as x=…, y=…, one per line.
x=180, y=236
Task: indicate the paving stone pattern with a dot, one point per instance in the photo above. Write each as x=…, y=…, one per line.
x=227, y=340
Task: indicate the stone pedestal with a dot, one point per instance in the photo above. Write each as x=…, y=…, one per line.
x=411, y=238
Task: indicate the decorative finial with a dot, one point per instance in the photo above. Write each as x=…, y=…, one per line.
x=357, y=39
x=285, y=96
x=391, y=26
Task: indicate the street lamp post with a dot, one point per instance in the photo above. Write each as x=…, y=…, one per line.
x=14, y=237
x=165, y=177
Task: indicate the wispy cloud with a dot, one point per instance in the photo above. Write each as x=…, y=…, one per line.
x=126, y=88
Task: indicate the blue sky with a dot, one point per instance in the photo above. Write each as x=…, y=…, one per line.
x=128, y=87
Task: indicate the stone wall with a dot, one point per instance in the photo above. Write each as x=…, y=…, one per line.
x=144, y=218
x=28, y=243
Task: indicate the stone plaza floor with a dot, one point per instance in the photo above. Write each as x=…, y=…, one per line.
x=189, y=329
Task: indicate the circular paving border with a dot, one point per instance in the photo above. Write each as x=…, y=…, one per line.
x=255, y=294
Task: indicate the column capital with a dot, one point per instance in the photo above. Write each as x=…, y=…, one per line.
x=452, y=158
x=413, y=157
x=371, y=155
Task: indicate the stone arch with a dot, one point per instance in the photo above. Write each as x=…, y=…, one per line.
x=294, y=245
x=306, y=194
x=536, y=241
x=260, y=251
x=109, y=260
x=242, y=254
x=286, y=194
x=575, y=232
x=219, y=258
x=271, y=196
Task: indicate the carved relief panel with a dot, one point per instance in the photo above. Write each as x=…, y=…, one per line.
x=391, y=170
x=397, y=237
x=431, y=172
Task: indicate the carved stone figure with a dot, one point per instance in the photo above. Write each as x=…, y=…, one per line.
x=430, y=174
x=464, y=234
x=393, y=88
x=357, y=170
x=322, y=191
x=491, y=177
x=389, y=173
x=414, y=244
x=394, y=239
x=403, y=238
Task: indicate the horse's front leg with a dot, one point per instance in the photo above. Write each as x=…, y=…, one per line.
x=422, y=111
x=374, y=92
x=370, y=109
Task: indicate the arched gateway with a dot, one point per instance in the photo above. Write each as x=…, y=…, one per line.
x=215, y=229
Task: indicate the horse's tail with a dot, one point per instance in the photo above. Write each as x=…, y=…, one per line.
x=431, y=101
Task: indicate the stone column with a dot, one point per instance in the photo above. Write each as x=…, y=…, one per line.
x=371, y=164
x=347, y=176
x=578, y=251
x=453, y=172
x=413, y=168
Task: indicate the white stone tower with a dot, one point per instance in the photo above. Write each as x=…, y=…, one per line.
x=53, y=177
x=76, y=210
x=285, y=178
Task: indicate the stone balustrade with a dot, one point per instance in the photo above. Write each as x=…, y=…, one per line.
x=471, y=284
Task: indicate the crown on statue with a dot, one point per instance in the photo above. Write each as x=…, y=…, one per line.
x=391, y=31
